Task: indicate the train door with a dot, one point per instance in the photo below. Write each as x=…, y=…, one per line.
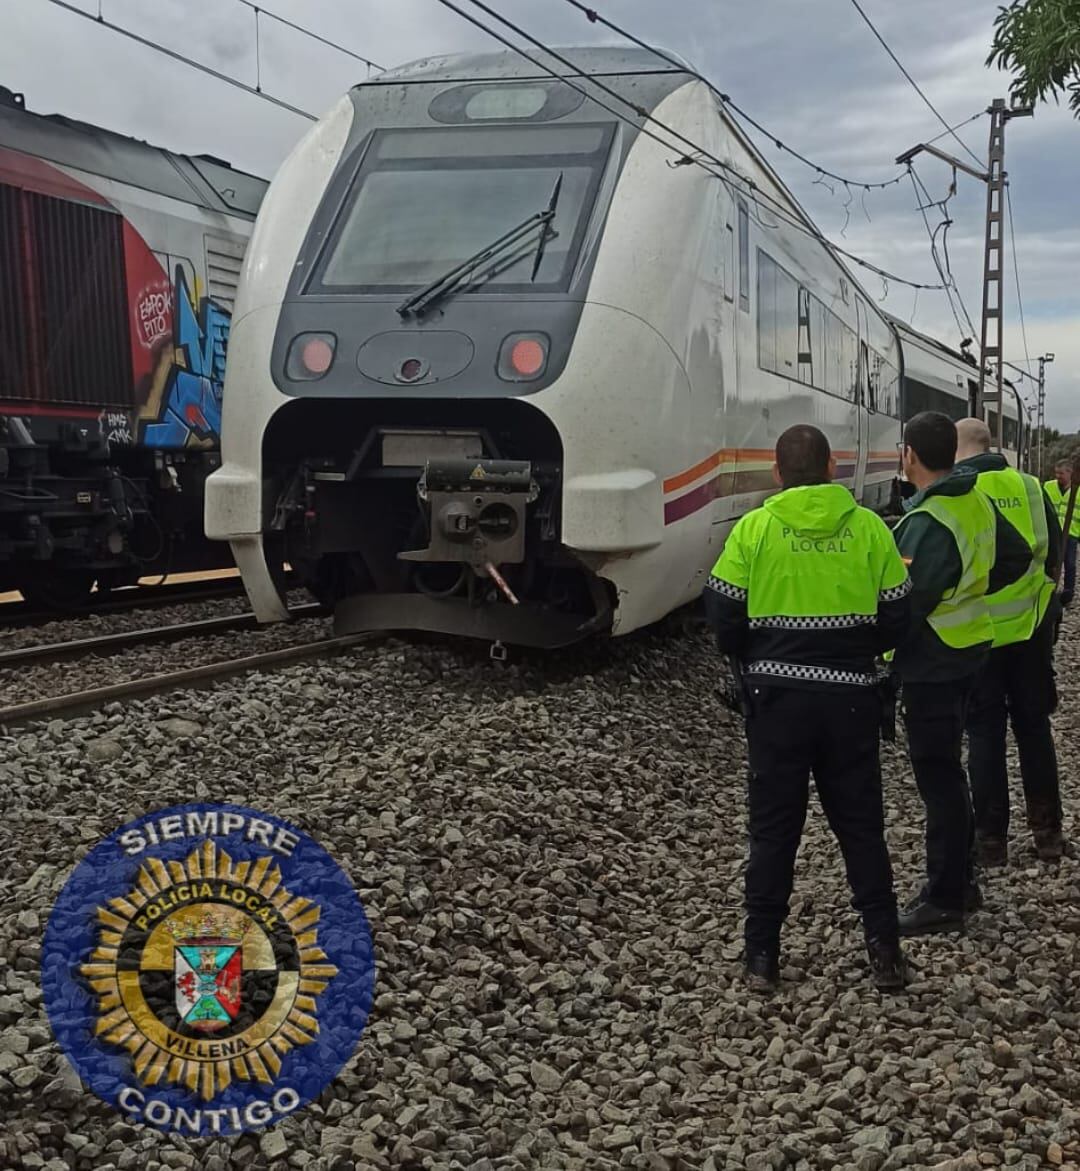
x=862, y=404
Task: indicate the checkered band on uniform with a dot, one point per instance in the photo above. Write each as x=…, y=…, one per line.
x=736, y=593
x=824, y=622
x=808, y=674
x=897, y=592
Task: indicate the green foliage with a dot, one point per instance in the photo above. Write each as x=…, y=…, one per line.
x=1039, y=40
x=1062, y=447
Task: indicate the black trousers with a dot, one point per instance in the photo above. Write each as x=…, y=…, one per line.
x=934, y=714
x=792, y=733
x=1017, y=687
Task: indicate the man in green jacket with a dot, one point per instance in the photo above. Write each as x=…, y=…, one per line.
x=957, y=548
x=1018, y=684
x=1057, y=492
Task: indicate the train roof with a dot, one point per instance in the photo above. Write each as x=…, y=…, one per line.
x=503, y=64
x=201, y=180
x=934, y=343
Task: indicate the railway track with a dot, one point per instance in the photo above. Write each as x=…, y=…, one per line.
x=84, y=699
x=129, y=639
x=14, y=615
x=77, y=702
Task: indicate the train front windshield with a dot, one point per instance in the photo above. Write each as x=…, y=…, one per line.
x=425, y=200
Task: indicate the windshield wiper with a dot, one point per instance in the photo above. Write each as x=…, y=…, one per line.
x=546, y=233
x=419, y=302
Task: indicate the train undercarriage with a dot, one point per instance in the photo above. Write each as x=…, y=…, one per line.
x=77, y=516
x=430, y=521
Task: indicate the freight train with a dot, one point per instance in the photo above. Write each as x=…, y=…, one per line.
x=503, y=365
x=119, y=264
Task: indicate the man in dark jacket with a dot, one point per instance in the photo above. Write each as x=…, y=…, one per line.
x=808, y=589
x=957, y=548
x=1018, y=684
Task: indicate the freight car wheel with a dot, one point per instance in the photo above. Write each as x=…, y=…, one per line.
x=59, y=591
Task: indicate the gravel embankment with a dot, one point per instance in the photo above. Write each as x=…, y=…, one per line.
x=550, y=857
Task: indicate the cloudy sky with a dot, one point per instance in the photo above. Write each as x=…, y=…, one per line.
x=811, y=72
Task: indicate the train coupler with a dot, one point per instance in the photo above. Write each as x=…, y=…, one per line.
x=476, y=511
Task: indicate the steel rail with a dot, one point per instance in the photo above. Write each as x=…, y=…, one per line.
x=127, y=639
x=14, y=614
x=82, y=701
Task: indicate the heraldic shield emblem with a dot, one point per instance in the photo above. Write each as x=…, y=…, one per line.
x=208, y=969
x=207, y=982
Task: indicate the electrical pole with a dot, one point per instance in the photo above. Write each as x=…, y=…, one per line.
x=994, y=178
x=993, y=257
x=1041, y=414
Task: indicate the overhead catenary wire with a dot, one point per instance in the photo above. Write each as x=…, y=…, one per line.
x=307, y=32
x=1016, y=273
x=933, y=250
x=924, y=202
x=146, y=42
x=698, y=155
x=595, y=17
x=957, y=126
x=914, y=84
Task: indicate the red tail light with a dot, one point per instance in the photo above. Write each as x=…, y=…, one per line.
x=523, y=357
x=310, y=356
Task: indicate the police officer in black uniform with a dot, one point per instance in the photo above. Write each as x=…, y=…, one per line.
x=807, y=591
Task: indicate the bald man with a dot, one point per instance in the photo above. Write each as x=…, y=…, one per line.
x=1017, y=686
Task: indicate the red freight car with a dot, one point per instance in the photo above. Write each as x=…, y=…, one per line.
x=118, y=270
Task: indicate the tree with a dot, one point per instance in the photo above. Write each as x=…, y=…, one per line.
x=1063, y=447
x=1040, y=41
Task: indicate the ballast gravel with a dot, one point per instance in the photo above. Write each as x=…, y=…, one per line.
x=550, y=855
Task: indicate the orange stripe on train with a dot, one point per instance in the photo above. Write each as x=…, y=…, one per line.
x=754, y=455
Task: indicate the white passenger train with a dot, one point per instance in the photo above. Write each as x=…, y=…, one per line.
x=938, y=378
x=502, y=366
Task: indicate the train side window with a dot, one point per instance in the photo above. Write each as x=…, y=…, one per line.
x=835, y=377
x=744, y=258
x=818, y=350
x=787, y=324
x=849, y=363
x=729, y=263
x=869, y=380
x=766, y=312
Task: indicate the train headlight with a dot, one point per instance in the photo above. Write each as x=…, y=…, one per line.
x=310, y=356
x=523, y=357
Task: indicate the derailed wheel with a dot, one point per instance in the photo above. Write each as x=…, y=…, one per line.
x=58, y=590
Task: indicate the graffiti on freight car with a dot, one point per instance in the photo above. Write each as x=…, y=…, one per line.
x=189, y=404
x=116, y=427
x=154, y=317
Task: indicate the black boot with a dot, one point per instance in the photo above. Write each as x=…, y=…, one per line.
x=1049, y=844
x=922, y=917
x=991, y=852
x=762, y=971
x=888, y=969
